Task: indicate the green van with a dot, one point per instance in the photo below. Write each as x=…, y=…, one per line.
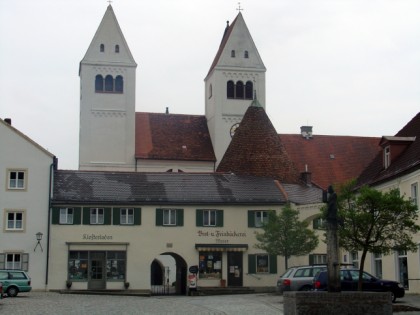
x=15, y=281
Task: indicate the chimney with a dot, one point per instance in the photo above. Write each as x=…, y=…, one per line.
x=306, y=132
x=167, y=111
x=306, y=177
x=8, y=121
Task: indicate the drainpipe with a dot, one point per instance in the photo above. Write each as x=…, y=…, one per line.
x=53, y=167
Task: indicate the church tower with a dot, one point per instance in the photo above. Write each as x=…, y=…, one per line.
x=107, y=100
x=236, y=75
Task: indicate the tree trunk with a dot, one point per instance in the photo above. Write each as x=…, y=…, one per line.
x=361, y=268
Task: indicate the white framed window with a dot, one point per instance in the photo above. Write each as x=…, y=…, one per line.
x=318, y=259
x=16, y=180
x=377, y=265
x=126, y=216
x=263, y=263
x=261, y=217
x=354, y=256
x=387, y=156
x=66, y=215
x=15, y=220
x=415, y=194
x=169, y=216
x=319, y=223
x=209, y=217
x=14, y=261
x=96, y=216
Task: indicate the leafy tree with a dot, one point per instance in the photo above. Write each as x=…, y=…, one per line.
x=376, y=222
x=285, y=235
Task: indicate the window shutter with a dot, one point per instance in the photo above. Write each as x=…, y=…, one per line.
x=251, y=218
x=180, y=217
x=116, y=216
x=55, y=219
x=273, y=263
x=86, y=216
x=198, y=217
x=219, y=218
x=25, y=262
x=107, y=216
x=137, y=216
x=77, y=215
x=252, y=264
x=159, y=217
x=2, y=261
x=311, y=259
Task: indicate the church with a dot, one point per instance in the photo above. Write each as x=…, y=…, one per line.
x=195, y=188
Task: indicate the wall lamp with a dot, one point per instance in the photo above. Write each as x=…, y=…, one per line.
x=39, y=238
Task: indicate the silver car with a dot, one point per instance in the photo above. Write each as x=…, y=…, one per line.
x=298, y=278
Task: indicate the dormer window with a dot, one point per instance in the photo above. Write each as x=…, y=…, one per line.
x=246, y=55
x=117, y=49
x=102, y=48
x=232, y=54
x=387, y=157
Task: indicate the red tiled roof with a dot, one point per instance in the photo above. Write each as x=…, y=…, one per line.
x=407, y=161
x=173, y=137
x=330, y=159
x=256, y=150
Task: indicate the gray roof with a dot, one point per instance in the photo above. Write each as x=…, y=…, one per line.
x=87, y=187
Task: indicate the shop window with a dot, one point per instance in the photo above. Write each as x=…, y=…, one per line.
x=115, y=265
x=78, y=265
x=256, y=218
x=16, y=180
x=15, y=261
x=209, y=218
x=66, y=216
x=210, y=265
x=15, y=220
x=169, y=217
x=262, y=263
x=99, y=83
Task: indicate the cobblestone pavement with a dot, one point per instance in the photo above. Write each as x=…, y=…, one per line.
x=47, y=303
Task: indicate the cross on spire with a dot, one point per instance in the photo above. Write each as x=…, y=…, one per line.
x=109, y=1
x=239, y=7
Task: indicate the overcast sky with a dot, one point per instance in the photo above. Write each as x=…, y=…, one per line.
x=346, y=67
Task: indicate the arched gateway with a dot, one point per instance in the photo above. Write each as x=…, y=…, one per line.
x=168, y=275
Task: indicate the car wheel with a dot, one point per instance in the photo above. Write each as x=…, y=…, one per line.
x=12, y=291
x=393, y=297
x=305, y=288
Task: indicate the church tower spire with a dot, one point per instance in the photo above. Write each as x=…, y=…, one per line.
x=236, y=72
x=107, y=100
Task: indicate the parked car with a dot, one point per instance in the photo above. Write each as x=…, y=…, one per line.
x=350, y=278
x=298, y=278
x=1, y=290
x=15, y=281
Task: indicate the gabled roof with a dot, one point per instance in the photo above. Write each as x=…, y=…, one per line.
x=237, y=36
x=257, y=150
x=407, y=161
x=109, y=33
x=101, y=188
x=173, y=137
x=330, y=159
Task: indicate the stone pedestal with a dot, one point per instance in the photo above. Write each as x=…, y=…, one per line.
x=333, y=303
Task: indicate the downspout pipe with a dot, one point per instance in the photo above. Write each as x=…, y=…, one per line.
x=53, y=167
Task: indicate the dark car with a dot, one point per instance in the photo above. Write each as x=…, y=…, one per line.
x=298, y=278
x=349, y=281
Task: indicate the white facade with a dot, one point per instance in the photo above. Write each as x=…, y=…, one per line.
x=107, y=100
x=25, y=172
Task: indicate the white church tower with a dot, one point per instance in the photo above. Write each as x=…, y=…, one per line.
x=107, y=100
x=235, y=76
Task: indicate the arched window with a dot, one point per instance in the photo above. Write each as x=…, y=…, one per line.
x=119, y=84
x=99, y=83
x=239, y=89
x=102, y=48
x=232, y=54
x=249, y=90
x=230, y=89
x=109, y=83
x=246, y=55
x=117, y=48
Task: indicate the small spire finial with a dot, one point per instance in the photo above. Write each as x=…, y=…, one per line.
x=109, y=2
x=239, y=7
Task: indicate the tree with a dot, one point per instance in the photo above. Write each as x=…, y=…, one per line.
x=285, y=235
x=376, y=222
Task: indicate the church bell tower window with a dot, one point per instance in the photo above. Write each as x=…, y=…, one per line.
x=99, y=83
x=117, y=48
x=119, y=84
x=109, y=83
x=232, y=54
x=246, y=55
x=102, y=48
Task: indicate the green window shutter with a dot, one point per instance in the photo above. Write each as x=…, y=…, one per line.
x=55, y=219
x=107, y=216
x=252, y=264
x=137, y=216
x=311, y=259
x=77, y=215
x=86, y=216
x=180, y=217
x=159, y=217
x=273, y=263
x=251, y=218
x=116, y=216
x=219, y=218
x=198, y=217
x=2, y=261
